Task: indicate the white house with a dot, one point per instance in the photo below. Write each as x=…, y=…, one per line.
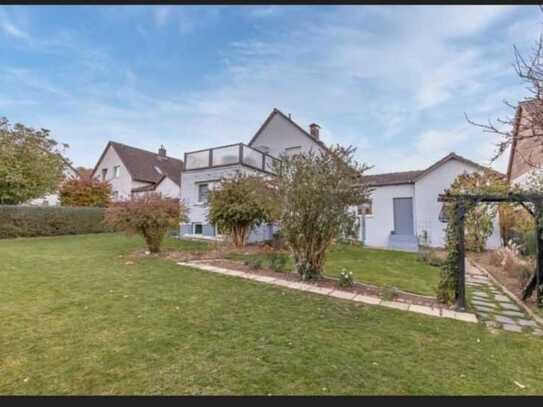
x=53, y=199
x=131, y=170
x=279, y=135
x=404, y=210
x=404, y=206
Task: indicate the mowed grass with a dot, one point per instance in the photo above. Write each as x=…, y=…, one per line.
x=384, y=268
x=77, y=319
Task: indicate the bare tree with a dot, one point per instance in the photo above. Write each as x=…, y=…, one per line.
x=515, y=128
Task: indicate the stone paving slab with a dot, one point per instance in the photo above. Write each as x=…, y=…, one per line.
x=503, y=312
x=366, y=299
x=512, y=328
x=508, y=305
x=337, y=293
x=512, y=313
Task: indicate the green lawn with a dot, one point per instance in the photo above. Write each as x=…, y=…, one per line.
x=76, y=319
x=384, y=268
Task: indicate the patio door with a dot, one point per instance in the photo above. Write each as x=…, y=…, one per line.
x=403, y=216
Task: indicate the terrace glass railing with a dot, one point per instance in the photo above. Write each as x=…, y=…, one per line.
x=231, y=155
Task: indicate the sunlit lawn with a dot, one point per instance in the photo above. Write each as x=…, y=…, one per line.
x=384, y=268
x=78, y=317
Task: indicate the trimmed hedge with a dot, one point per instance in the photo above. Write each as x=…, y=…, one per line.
x=34, y=221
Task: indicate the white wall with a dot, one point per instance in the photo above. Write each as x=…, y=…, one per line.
x=168, y=188
x=427, y=208
x=381, y=222
x=189, y=187
x=280, y=134
x=123, y=184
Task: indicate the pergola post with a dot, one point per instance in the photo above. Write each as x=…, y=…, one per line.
x=461, y=277
x=539, y=247
x=537, y=277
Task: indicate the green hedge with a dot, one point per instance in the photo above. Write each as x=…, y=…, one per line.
x=33, y=221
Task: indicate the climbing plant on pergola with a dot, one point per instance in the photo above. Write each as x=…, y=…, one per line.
x=460, y=204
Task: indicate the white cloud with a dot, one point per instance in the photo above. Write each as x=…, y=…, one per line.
x=9, y=28
x=372, y=88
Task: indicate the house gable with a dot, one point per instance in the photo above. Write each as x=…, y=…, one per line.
x=279, y=133
x=525, y=151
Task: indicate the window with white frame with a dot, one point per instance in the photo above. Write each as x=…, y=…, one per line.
x=203, y=191
x=115, y=195
x=116, y=171
x=104, y=174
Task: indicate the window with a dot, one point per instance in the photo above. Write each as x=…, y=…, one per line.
x=116, y=171
x=198, y=229
x=366, y=209
x=115, y=195
x=104, y=174
x=158, y=170
x=203, y=190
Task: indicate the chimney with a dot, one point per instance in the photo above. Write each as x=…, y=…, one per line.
x=162, y=151
x=314, y=130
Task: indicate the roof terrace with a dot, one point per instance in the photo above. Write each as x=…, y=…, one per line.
x=233, y=154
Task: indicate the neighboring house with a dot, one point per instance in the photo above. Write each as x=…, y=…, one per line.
x=131, y=170
x=526, y=154
x=279, y=135
x=53, y=199
x=404, y=210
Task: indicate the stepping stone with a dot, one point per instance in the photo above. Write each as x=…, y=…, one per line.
x=346, y=295
x=366, y=299
x=537, y=332
x=484, y=309
x=394, y=304
x=512, y=328
x=504, y=320
x=484, y=315
x=502, y=298
x=422, y=309
x=466, y=317
x=512, y=313
x=508, y=305
x=480, y=294
x=484, y=303
x=526, y=322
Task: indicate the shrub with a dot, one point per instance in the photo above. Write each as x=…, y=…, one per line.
x=34, y=221
x=85, y=191
x=254, y=263
x=278, y=262
x=430, y=257
x=389, y=293
x=149, y=215
x=316, y=191
x=522, y=272
x=345, y=279
x=239, y=204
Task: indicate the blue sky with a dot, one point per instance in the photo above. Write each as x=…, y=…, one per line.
x=393, y=81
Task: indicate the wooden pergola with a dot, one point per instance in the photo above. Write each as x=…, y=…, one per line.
x=533, y=203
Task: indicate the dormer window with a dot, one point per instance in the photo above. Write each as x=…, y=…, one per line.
x=158, y=170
